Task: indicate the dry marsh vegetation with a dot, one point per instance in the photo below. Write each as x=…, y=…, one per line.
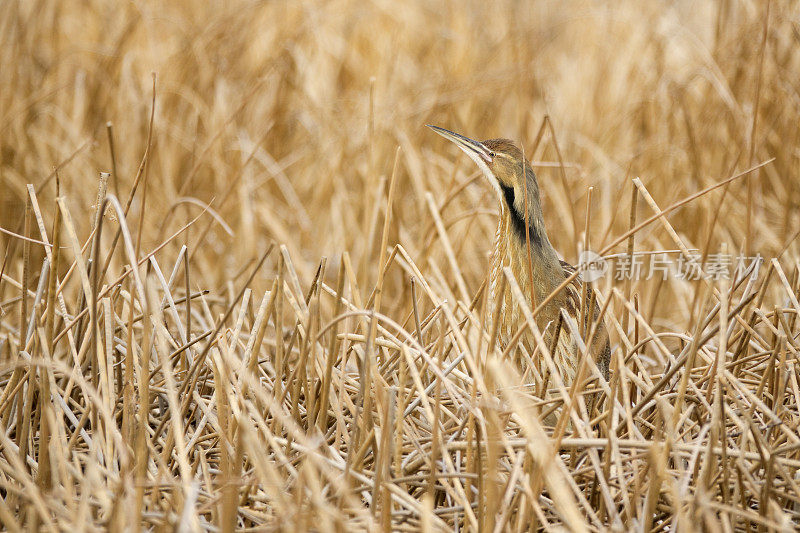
x=244, y=288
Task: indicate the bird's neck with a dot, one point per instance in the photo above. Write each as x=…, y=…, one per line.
x=521, y=212
x=543, y=273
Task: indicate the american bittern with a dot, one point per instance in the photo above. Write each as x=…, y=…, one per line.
x=504, y=165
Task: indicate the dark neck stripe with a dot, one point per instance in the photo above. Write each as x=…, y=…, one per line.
x=518, y=220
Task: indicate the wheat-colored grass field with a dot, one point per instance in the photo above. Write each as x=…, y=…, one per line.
x=244, y=288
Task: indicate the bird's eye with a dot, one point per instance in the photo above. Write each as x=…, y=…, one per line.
x=491, y=154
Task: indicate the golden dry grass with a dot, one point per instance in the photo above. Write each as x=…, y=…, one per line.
x=350, y=381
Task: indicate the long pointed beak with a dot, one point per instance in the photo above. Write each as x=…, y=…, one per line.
x=470, y=146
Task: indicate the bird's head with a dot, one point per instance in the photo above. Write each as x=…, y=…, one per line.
x=504, y=165
x=499, y=159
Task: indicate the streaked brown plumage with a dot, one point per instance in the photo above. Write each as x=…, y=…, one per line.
x=503, y=164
